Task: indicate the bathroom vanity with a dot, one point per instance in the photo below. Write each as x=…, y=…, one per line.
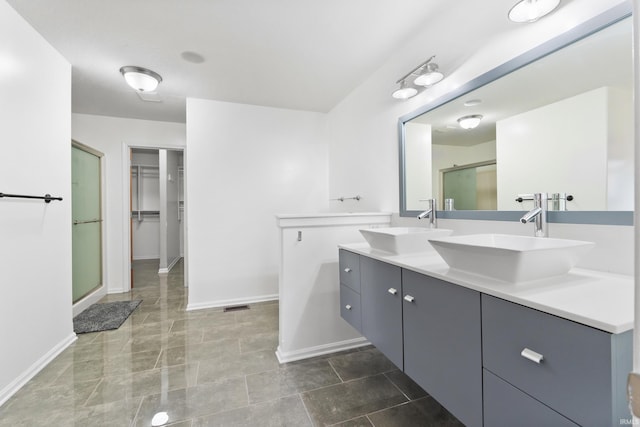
x=551, y=352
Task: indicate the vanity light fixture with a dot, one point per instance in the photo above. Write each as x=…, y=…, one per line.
x=470, y=122
x=532, y=10
x=430, y=75
x=405, y=92
x=140, y=79
x=424, y=75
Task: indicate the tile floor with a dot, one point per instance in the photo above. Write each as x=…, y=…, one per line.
x=211, y=368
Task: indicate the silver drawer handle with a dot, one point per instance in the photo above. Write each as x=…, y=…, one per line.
x=392, y=291
x=532, y=355
x=409, y=298
x=347, y=270
x=348, y=307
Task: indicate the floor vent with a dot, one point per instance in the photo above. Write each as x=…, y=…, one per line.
x=236, y=308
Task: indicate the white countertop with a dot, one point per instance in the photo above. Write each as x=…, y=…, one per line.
x=601, y=300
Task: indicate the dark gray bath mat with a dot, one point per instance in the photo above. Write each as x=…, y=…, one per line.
x=103, y=317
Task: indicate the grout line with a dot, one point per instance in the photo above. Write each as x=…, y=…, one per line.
x=396, y=385
x=334, y=370
x=133, y=421
x=306, y=410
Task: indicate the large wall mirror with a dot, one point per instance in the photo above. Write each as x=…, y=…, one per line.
x=558, y=120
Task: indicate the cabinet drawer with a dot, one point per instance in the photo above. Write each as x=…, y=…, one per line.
x=350, y=269
x=350, y=307
x=577, y=374
x=505, y=405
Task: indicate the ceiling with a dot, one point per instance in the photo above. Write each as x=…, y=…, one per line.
x=297, y=54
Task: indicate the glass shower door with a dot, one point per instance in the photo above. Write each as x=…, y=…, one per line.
x=87, y=222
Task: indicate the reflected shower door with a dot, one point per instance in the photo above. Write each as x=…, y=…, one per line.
x=87, y=222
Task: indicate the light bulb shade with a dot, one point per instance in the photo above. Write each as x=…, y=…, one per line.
x=428, y=79
x=405, y=92
x=532, y=10
x=470, y=122
x=140, y=79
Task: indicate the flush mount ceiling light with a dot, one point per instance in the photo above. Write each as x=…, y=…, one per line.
x=405, y=92
x=140, y=79
x=424, y=75
x=470, y=122
x=532, y=10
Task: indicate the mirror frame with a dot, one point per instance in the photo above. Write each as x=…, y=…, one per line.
x=592, y=26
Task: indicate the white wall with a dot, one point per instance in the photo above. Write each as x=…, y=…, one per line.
x=418, y=163
x=169, y=224
x=557, y=148
x=109, y=135
x=35, y=247
x=245, y=164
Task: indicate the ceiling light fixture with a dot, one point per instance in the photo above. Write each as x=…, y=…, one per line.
x=470, y=122
x=426, y=74
x=532, y=10
x=405, y=92
x=140, y=79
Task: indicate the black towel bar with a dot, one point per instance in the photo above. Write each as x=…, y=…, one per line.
x=47, y=197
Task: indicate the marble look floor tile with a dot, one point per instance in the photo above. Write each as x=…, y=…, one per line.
x=406, y=385
x=285, y=412
x=196, y=352
x=358, y=422
x=214, y=320
x=233, y=365
x=119, y=413
x=425, y=412
x=361, y=364
x=346, y=401
x=195, y=401
x=144, y=383
x=123, y=363
x=290, y=379
x=259, y=342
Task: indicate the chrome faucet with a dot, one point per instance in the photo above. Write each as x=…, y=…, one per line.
x=537, y=214
x=431, y=213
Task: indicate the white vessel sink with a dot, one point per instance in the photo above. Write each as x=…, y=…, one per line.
x=402, y=240
x=510, y=258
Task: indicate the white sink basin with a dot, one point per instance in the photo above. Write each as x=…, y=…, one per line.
x=402, y=240
x=510, y=258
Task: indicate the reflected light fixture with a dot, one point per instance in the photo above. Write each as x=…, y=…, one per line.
x=470, y=122
x=160, y=419
x=532, y=10
x=424, y=75
x=140, y=79
x=405, y=92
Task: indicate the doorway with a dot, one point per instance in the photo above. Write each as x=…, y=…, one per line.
x=156, y=211
x=86, y=177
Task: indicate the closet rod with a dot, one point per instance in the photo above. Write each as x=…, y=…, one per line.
x=47, y=197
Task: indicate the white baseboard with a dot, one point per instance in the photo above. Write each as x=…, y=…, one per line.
x=116, y=291
x=92, y=298
x=24, y=378
x=143, y=257
x=230, y=302
x=306, y=353
x=169, y=267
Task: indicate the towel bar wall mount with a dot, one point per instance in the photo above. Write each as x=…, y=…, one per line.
x=47, y=197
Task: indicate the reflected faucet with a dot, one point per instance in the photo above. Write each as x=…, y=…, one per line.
x=431, y=213
x=537, y=214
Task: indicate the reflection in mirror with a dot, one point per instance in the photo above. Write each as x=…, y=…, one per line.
x=562, y=124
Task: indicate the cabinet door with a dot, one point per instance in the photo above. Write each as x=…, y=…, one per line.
x=350, y=307
x=442, y=343
x=350, y=269
x=381, y=307
x=505, y=405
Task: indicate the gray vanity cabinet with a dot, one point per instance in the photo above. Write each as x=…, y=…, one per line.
x=381, y=307
x=442, y=346
x=578, y=371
